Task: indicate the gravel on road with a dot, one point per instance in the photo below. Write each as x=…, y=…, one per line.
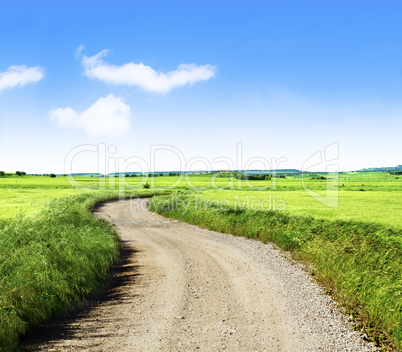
x=182, y=288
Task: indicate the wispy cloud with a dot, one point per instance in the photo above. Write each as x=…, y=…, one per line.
x=107, y=116
x=20, y=76
x=145, y=77
x=78, y=51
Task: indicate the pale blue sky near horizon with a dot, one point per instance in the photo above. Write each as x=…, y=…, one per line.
x=282, y=79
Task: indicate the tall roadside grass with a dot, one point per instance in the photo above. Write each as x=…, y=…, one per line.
x=360, y=263
x=51, y=261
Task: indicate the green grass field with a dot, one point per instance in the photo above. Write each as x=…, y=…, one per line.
x=36, y=213
x=381, y=207
x=52, y=258
x=372, y=197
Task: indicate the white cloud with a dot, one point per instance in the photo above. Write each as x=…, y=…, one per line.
x=20, y=76
x=145, y=77
x=107, y=116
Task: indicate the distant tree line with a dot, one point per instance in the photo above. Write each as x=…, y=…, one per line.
x=240, y=176
x=18, y=173
x=319, y=178
x=147, y=175
x=263, y=177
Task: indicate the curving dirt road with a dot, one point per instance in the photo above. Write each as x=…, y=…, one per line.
x=182, y=288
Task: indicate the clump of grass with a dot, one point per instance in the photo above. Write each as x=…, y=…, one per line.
x=360, y=262
x=51, y=261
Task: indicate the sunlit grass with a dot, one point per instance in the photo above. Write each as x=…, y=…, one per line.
x=51, y=260
x=372, y=197
x=28, y=201
x=374, y=207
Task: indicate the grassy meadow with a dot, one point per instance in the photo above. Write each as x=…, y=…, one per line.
x=381, y=207
x=354, y=248
x=369, y=196
x=51, y=261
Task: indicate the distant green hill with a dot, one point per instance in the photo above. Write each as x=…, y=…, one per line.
x=381, y=169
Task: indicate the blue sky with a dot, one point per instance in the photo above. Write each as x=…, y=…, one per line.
x=282, y=80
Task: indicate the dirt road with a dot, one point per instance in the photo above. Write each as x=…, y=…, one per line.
x=181, y=288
